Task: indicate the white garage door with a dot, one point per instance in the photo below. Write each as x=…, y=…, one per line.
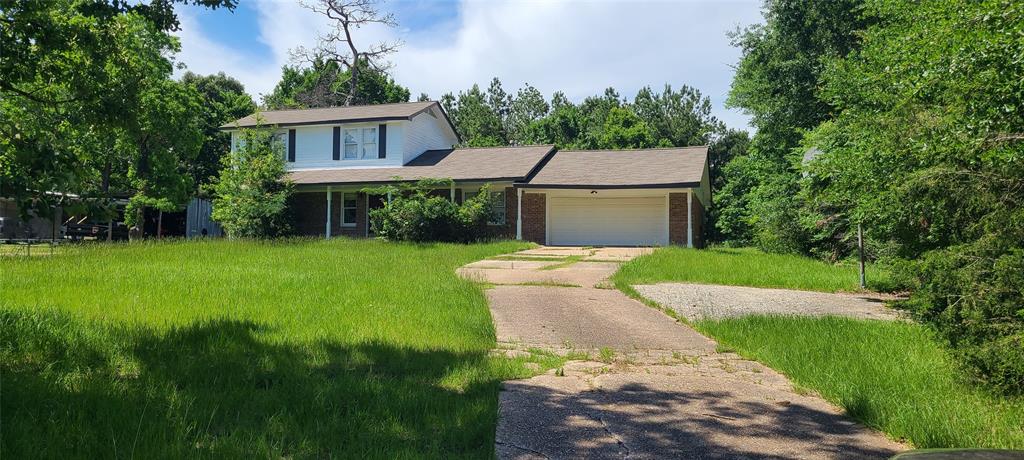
x=596, y=221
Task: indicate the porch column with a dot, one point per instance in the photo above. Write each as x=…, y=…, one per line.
x=328, y=229
x=519, y=213
x=689, y=218
x=453, y=192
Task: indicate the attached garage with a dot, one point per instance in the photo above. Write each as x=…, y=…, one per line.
x=650, y=197
x=608, y=221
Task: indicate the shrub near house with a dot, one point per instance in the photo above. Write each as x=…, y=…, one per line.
x=413, y=214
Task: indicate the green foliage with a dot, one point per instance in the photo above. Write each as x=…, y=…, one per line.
x=413, y=213
x=624, y=129
x=893, y=376
x=242, y=349
x=476, y=121
x=927, y=152
x=777, y=82
x=223, y=100
x=251, y=193
x=325, y=84
x=87, y=107
x=971, y=293
x=669, y=118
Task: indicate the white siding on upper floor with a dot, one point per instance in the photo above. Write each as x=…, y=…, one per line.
x=427, y=131
x=314, y=145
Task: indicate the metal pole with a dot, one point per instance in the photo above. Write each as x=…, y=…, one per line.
x=860, y=250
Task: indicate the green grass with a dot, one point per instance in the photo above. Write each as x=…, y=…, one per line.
x=893, y=376
x=746, y=267
x=294, y=349
x=39, y=249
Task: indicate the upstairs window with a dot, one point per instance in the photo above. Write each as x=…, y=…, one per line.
x=280, y=140
x=361, y=144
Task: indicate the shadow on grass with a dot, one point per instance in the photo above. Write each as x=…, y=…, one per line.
x=636, y=419
x=225, y=388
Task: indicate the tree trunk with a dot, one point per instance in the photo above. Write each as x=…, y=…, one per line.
x=138, y=230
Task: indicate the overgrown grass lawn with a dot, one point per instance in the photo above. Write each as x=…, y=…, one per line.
x=301, y=349
x=893, y=376
x=746, y=267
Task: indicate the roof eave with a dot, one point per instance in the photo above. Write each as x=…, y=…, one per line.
x=611, y=186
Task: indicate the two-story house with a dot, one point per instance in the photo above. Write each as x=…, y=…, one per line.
x=549, y=196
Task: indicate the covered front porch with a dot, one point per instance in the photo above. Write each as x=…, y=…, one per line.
x=343, y=209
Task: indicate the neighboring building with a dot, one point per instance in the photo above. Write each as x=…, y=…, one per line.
x=36, y=228
x=622, y=197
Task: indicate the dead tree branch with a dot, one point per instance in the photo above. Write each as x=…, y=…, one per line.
x=337, y=44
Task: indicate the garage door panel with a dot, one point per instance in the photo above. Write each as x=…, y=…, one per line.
x=634, y=221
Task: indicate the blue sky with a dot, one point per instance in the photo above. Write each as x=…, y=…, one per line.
x=578, y=47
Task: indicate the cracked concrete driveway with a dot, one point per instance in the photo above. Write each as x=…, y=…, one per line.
x=664, y=392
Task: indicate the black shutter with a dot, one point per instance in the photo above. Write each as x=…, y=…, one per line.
x=291, y=145
x=337, y=143
x=382, y=141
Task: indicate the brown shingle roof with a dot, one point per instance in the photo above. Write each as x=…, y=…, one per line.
x=355, y=113
x=669, y=167
x=477, y=164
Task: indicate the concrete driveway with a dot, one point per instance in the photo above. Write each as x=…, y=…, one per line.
x=652, y=387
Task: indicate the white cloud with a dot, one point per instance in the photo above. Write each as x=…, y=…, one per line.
x=579, y=47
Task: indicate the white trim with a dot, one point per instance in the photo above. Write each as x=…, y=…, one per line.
x=668, y=218
x=328, y=229
x=504, y=208
x=360, y=143
x=689, y=218
x=547, y=217
x=519, y=213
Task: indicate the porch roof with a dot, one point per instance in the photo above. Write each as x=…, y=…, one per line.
x=461, y=165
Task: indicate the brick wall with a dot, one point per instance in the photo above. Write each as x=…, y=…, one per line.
x=309, y=213
x=534, y=209
x=677, y=220
x=337, y=208
x=698, y=223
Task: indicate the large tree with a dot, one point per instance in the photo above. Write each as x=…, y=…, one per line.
x=777, y=82
x=87, y=105
x=338, y=47
x=928, y=153
x=223, y=100
x=475, y=118
x=327, y=84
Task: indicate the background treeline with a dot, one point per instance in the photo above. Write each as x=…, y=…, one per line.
x=908, y=119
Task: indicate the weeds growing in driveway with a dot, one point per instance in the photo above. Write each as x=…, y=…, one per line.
x=298, y=349
x=747, y=267
x=893, y=376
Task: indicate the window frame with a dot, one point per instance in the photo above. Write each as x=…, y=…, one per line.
x=354, y=208
x=361, y=142
x=503, y=207
x=281, y=137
